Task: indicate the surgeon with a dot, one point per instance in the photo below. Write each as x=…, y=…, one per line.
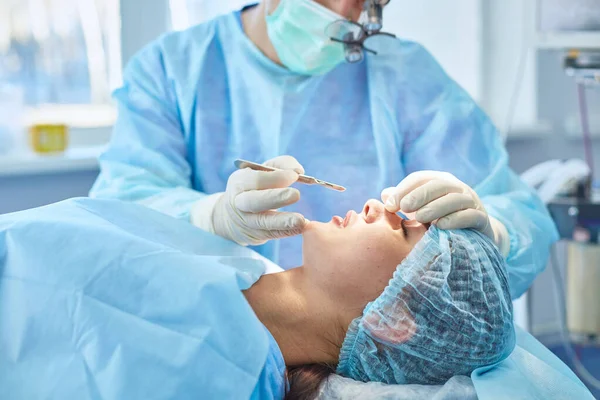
x=272, y=79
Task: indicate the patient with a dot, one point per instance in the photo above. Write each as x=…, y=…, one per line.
x=444, y=311
x=102, y=299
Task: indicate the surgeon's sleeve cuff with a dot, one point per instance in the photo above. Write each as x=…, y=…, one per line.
x=202, y=211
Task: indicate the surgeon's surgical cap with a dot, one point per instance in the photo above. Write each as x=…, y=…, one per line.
x=446, y=311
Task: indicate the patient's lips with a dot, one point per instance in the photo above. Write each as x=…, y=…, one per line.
x=343, y=222
x=339, y=221
x=349, y=218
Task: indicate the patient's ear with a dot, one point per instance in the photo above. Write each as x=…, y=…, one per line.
x=395, y=327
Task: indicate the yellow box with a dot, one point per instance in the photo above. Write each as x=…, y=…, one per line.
x=48, y=138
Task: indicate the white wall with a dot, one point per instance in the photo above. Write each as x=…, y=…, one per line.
x=510, y=64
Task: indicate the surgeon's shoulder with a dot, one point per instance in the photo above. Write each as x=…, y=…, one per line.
x=410, y=67
x=174, y=53
x=414, y=58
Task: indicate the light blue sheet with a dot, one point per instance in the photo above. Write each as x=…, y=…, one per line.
x=111, y=300
x=194, y=101
x=531, y=372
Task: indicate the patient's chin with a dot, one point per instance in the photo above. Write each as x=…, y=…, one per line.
x=316, y=235
x=311, y=230
x=311, y=226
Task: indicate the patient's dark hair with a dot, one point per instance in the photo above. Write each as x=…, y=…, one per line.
x=306, y=380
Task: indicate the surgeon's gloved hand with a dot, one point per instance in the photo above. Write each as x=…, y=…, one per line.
x=245, y=212
x=441, y=198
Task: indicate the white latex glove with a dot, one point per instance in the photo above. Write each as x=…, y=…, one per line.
x=245, y=214
x=441, y=198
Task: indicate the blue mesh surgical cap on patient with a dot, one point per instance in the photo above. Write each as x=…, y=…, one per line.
x=446, y=311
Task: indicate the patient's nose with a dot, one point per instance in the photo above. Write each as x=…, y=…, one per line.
x=373, y=210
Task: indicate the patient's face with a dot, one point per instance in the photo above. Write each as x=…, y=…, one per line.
x=355, y=257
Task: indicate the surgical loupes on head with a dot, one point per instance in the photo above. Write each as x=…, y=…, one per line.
x=353, y=35
x=374, y=15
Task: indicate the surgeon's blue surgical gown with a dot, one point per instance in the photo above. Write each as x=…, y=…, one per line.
x=195, y=101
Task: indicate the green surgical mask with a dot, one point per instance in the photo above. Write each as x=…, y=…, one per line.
x=297, y=30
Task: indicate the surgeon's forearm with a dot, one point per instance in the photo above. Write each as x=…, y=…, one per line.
x=174, y=201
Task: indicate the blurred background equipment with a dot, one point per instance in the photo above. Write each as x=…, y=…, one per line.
x=59, y=62
x=569, y=16
x=570, y=188
x=11, y=116
x=48, y=138
x=60, y=51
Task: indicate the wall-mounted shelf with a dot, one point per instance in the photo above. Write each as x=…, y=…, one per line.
x=534, y=130
x=75, y=159
x=568, y=40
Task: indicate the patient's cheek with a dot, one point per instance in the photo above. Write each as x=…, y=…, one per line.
x=386, y=249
